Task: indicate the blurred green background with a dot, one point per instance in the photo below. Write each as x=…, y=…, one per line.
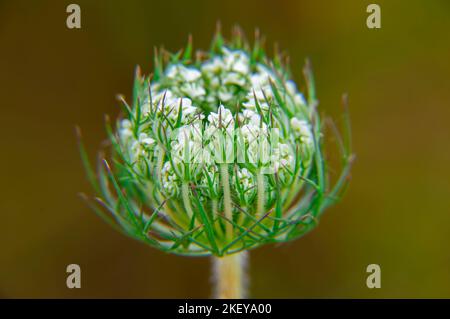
x=395, y=214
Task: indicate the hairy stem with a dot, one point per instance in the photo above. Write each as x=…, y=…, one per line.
x=227, y=200
x=230, y=276
x=159, y=165
x=186, y=199
x=261, y=194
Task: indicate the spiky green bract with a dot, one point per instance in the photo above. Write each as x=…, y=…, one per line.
x=188, y=172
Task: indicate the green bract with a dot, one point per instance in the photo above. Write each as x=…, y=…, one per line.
x=217, y=154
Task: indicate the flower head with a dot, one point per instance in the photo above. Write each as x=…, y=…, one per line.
x=217, y=155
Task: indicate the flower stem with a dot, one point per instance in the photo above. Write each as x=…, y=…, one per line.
x=229, y=276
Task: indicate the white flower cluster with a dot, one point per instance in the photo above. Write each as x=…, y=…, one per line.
x=197, y=108
x=226, y=75
x=140, y=147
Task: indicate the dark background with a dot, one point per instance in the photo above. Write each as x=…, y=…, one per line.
x=396, y=212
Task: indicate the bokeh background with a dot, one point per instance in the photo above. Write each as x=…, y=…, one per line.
x=396, y=212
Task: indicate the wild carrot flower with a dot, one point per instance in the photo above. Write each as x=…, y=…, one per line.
x=218, y=153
